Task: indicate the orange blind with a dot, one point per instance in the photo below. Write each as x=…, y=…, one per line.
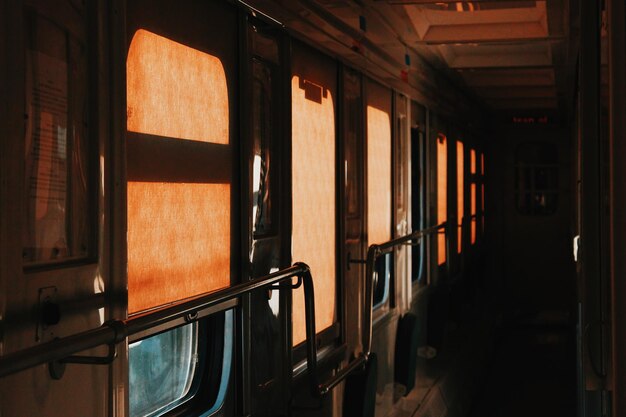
x=473, y=161
x=442, y=193
x=460, y=191
x=378, y=176
x=175, y=91
x=473, y=208
x=473, y=194
x=482, y=164
x=313, y=190
x=178, y=233
x=178, y=241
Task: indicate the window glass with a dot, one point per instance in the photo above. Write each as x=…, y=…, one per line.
x=262, y=122
x=417, y=199
x=442, y=194
x=401, y=161
x=536, y=178
x=472, y=161
x=379, y=178
x=178, y=219
x=418, y=187
x=460, y=193
x=161, y=370
x=166, y=370
x=378, y=175
x=313, y=193
x=473, y=203
x=179, y=166
x=473, y=195
x=382, y=277
x=482, y=164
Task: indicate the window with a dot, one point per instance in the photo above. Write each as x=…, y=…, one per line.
x=162, y=370
x=313, y=193
x=262, y=174
x=379, y=178
x=473, y=201
x=536, y=178
x=378, y=175
x=418, y=185
x=401, y=173
x=178, y=208
x=442, y=194
x=179, y=163
x=460, y=193
x=168, y=369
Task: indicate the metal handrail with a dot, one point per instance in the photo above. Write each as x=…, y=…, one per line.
x=115, y=331
x=389, y=245
x=373, y=253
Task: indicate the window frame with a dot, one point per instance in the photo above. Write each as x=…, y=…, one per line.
x=213, y=18
x=533, y=168
x=210, y=352
x=439, y=138
x=475, y=179
x=274, y=140
x=329, y=340
x=461, y=197
x=156, y=160
x=420, y=275
x=381, y=306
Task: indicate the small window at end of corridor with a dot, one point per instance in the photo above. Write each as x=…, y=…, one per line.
x=536, y=178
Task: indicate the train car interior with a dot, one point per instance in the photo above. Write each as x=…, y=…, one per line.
x=329, y=208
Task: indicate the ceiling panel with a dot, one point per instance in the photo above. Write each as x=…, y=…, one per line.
x=508, y=77
x=459, y=26
x=504, y=51
x=533, y=54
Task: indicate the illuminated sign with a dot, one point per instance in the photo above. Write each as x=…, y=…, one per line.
x=530, y=120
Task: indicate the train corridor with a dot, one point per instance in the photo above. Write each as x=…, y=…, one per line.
x=312, y=208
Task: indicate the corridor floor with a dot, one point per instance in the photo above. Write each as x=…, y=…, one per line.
x=533, y=373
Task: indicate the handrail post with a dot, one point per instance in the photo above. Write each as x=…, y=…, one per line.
x=309, y=319
x=372, y=254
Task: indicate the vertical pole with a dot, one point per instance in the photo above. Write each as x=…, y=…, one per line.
x=617, y=120
x=243, y=332
x=112, y=90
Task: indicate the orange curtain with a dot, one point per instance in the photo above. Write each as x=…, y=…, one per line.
x=378, y=176
x=313, y=193
x=473, y=194
x=178, y=233
x=442, y=193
